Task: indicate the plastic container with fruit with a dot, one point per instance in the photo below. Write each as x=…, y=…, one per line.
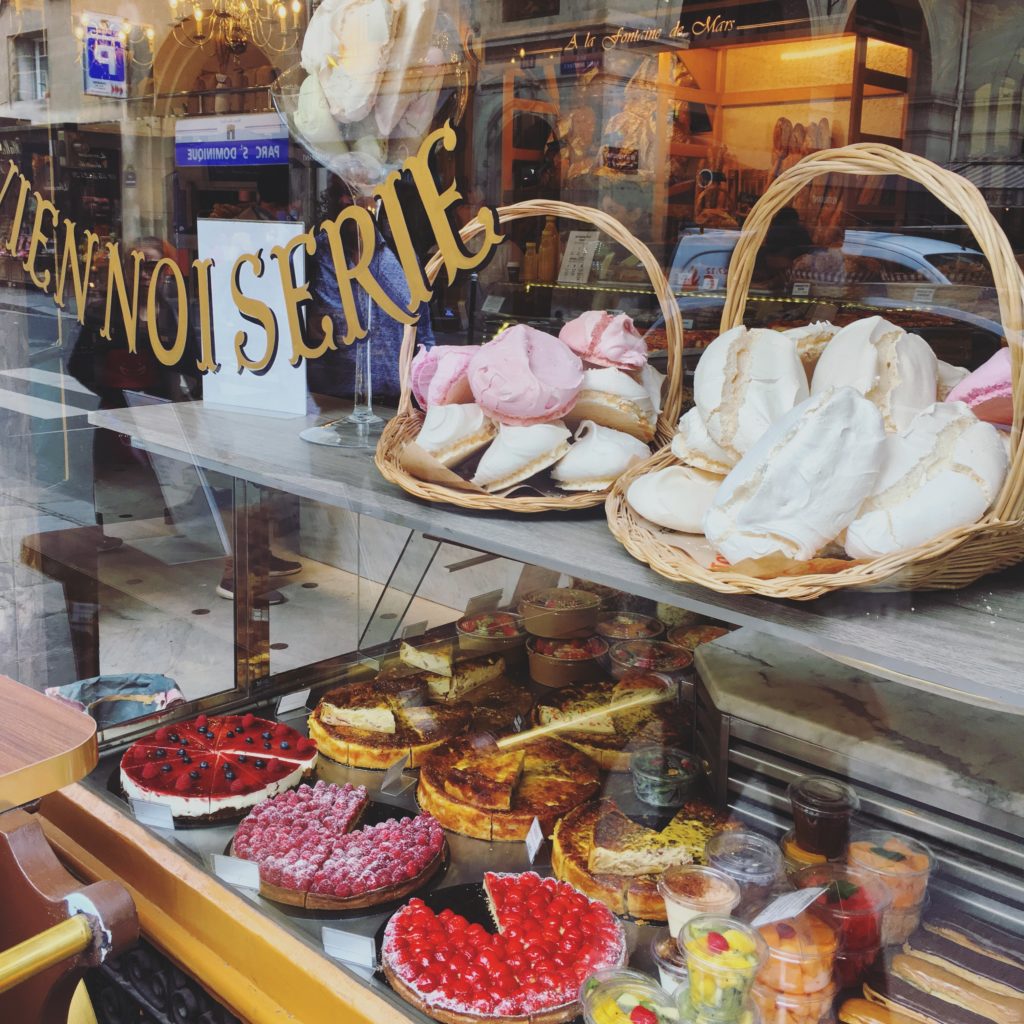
x=559, y=612
x=801, y=952
x=691, y=637
x=853, y=966
x=617, y=626
x=490, y=632
x=688, y=1014
x=782, y=1008
x=723, y=956
x=795, y=858
x=752, y=860
x=623, y=996
x=665, y=776
x=854, y=903
x=564, y=662
x=904, y=866
x=822, y=810
x=692, y=890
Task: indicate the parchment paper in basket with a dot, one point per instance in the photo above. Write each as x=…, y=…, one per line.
x=422, y=465
x=695, y=545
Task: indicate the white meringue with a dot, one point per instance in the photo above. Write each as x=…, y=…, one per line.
x=676, y=498
x=598, y=456
x=895, y=370
x=744, y=382
x=614, y=399
x=653, y=380
x=452, y=433
x=519, y=452
x=949, y=377
x=802, y=484
x=313, y=118
x=403, y=81
x=942, y=472
x=693, y=446
x=811, y=341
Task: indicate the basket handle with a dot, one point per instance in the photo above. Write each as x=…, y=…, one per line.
x=958, y=195
x=672, y=403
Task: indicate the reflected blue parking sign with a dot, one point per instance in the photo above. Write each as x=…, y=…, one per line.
x=104, y=67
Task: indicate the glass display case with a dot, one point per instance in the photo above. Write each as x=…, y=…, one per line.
x=375, y=741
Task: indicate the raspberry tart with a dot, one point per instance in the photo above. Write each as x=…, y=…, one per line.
x=549, y=939
x=308, y=855
x=216, y=769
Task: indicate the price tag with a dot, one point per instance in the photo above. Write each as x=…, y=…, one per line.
x=360, y=950
x=484, y=602
x=924, y=294
x=149, y=812
x=292, y=702
x=802, y=288
x=414, y=629
x=395, y=781
x=791, y=904
x=534, y=840
x=493, y=304
x=235, y=871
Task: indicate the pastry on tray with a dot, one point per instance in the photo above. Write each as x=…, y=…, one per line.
x=602, y=852
x=215, y=768
x=610, y=739
x=477, y=789
x=460, y=972
x=311, y=853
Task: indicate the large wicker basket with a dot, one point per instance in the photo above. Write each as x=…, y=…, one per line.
x=950, y=561
x=403, y=429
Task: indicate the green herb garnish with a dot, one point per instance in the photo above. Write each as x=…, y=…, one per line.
x=881, y=851
x=840, y=890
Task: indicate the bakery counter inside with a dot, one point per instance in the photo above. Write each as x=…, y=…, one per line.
x=965, y=644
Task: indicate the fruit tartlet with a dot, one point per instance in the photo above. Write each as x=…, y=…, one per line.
x=724, y=956
x=801, y=952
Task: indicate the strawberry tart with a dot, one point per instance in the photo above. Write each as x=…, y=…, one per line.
x=309, y=856
x=549, y=939
x=215, y=769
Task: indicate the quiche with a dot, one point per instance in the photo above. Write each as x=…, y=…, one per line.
x=473, y=787
x=610, y=739
x=603, y=853
x=376, y=723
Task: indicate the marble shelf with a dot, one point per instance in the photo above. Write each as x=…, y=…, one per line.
x=965, y=645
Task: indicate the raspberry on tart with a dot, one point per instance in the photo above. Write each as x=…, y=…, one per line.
x=549, y=939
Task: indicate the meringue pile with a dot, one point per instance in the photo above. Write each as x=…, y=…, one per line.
x=374, y=77
x=820, y=441
x=582, y=406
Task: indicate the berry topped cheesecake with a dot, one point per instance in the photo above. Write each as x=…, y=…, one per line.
x=216, y=769
x=549, y=939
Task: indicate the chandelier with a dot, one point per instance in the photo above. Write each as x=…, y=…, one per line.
x=232, y=26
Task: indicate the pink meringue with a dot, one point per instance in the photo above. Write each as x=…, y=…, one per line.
x=988, y=391
x=525, y=376
x=606, y=339
x=438, y=375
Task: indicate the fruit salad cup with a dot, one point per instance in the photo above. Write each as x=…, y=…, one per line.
x=723, y=956
x=903, y=866
x=801, y=952
x=490, y=632
x=564, y=662
x=853, y=903
x=781, y=1008
x=822, y=809
x=752, y=860
x=664, y=776
x=691, y=890
x=622, y=996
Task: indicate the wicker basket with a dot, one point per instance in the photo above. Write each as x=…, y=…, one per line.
x=949, y=561
x=406, y=424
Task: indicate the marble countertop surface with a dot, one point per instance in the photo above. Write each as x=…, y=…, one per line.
x=975, y=753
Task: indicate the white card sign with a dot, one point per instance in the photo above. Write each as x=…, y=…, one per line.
x=790, y=904
x=235, y=871
x=149, y=812
x=924, y=294
x=292, y=701
x=534, y=840
x=394, y=781
x=484, y=602
x=802, y=288
x=414, y=629
x=493, y=304
x=282, y=388
x=360, y=950
x=578, y=258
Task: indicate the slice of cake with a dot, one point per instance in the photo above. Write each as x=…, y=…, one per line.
x=601, y=725
x=486, y=779
x=464, y=676
x=434, y=658
x=623, y=847
x=375, y=718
